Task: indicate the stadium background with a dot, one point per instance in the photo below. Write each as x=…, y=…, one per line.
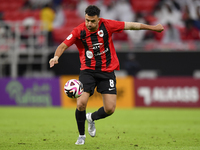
x=157, y=69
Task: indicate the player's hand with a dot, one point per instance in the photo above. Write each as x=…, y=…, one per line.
x=53, y=61
x=159, y=28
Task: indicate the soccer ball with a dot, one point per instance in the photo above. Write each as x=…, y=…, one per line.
x=73, y=88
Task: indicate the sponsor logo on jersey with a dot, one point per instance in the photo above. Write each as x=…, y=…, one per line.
x=89, y=54
x=95, y=46
x=100, y=53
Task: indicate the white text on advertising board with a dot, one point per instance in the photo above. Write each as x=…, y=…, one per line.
x=169, y=94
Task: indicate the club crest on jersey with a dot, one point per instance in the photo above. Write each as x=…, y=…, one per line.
x=89, y=54
x=100, y=33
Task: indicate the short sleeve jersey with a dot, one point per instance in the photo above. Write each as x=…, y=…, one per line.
x=96, y=49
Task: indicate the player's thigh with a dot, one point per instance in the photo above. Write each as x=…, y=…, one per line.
x=106, y=83
x=82, y=101
x=109, y=101
x=87, y=79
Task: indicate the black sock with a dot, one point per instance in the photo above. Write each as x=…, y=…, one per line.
x=100, y=114
x=80, y=119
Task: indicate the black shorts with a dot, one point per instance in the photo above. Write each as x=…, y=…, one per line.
x=104, y=81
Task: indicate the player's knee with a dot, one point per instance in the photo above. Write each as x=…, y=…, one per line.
x=81, y=106
x=82, y=102
x=110, y=110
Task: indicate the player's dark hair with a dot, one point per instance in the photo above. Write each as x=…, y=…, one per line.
x=92, y=10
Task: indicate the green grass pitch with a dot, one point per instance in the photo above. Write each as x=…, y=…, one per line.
x=38, y=128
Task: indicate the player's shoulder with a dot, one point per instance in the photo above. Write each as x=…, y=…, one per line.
x=80, y=26
x=77, y=30
x=103, y=20
x=107, y=21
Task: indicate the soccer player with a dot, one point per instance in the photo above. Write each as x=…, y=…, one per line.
x=98, y=58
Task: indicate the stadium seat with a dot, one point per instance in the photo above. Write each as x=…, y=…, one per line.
x=8, y=5
x=181, y=30
x=8, y=16
x=20, y=15
x=144, y=5
x=15, y=6
x=120, y=36
x=74, y=22
x=3, y=7
x=71, y=14
x=61, y=34
x=70, y=3
x=158, y=35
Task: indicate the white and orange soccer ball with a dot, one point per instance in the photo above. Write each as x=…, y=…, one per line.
x=73, y=88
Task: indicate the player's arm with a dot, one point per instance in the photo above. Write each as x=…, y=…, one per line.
x=140, y=26
x=59, y=51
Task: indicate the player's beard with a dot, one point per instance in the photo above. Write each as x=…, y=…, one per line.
x=92, y=29
x=89, y=28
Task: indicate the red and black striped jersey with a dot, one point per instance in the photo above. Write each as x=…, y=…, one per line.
x=96, y=49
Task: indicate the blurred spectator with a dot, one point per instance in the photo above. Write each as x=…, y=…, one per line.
x=181, y=4
x=4, y=27
x=124, y=11
x=60, y=19
x=167, y=13
x=39, y=3
x=27, y=5
x=131, y=65
x=136, y=36
x=81, y=8
x=176, y=4
x=5, y=34
x=34, y=4
x=82, y=5
x=27, y=34
x=57, y=4
x=108, y=10
x=171, y=34
x=192, y=7
x=190, y=32
x=47, y=16
x=197, y=21
x=185, y=13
